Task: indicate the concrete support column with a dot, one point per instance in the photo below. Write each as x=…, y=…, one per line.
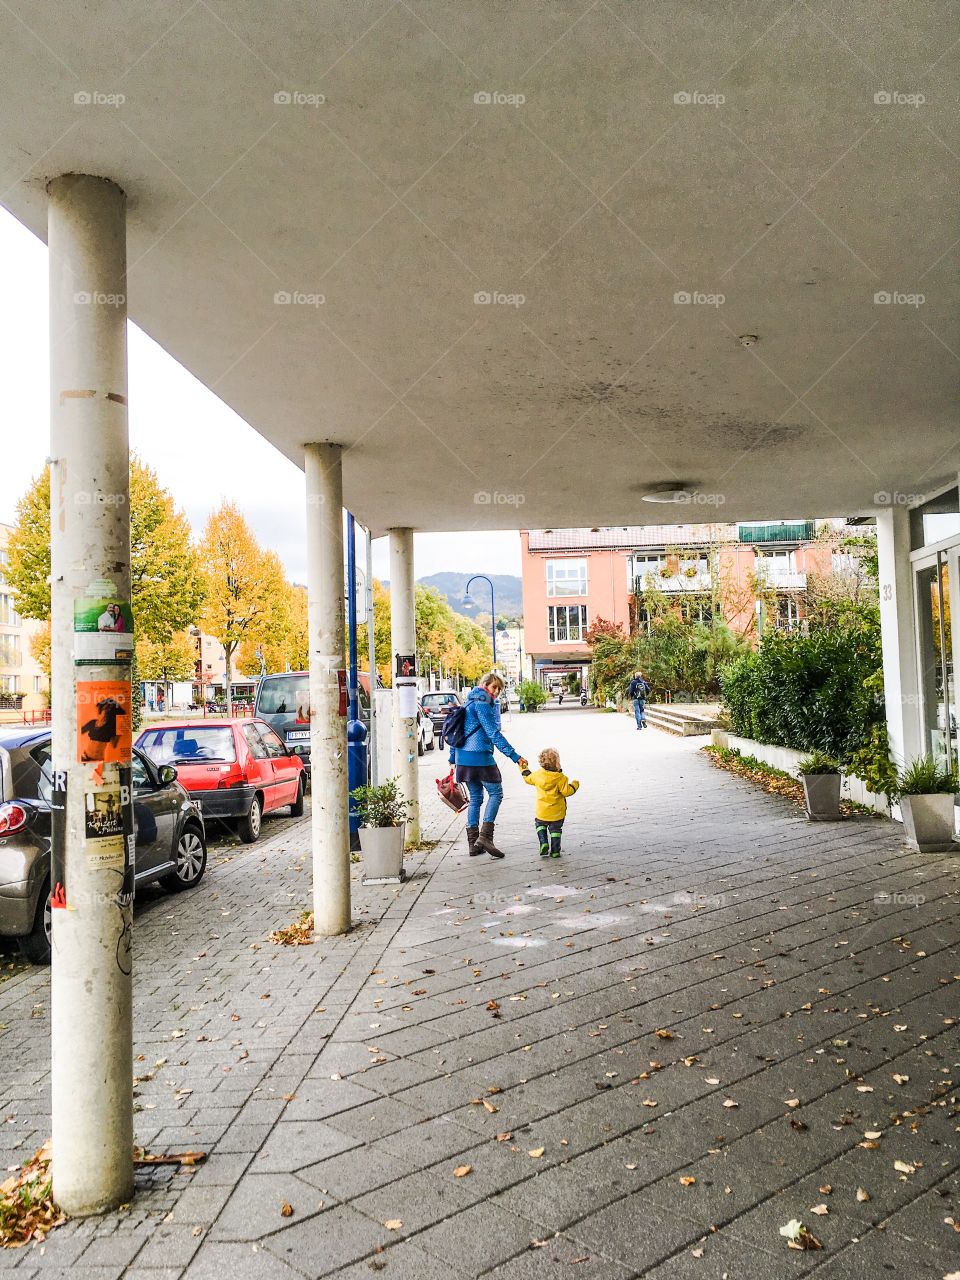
x=328, y=728
x=901, y=681
x=403, y=630
x=92, y=811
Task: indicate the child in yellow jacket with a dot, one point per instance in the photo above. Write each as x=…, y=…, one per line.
x=553, y=786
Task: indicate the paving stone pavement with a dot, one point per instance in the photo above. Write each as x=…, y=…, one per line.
x=651, y=1053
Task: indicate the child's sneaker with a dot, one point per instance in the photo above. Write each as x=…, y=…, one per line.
x=544, y=851
x=555, y=853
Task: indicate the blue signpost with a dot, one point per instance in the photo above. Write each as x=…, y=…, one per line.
x=356, y=729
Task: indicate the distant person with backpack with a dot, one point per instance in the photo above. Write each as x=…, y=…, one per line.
x=473, y=731
x=637, y=691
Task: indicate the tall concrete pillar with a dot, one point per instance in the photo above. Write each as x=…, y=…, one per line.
x=403, y=630
x=898, y=634
x=328, y=728
x=92, y=811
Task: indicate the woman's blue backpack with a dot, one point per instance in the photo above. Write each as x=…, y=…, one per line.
x=455, y=726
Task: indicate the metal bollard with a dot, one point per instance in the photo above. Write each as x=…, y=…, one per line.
x=356, y=771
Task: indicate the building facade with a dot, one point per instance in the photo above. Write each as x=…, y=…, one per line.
x=23, y=683
x=752, y=575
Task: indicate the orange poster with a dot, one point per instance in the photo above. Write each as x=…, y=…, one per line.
x=103, y=721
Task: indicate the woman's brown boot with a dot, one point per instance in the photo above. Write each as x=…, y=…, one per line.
x=485, y=841
x=472, y=833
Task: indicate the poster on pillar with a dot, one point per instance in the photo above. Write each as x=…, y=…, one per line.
x=406, y=699
x=406, y=666
x=108, y=821
x=58, y=840
x=103, y=627
x=104, y=733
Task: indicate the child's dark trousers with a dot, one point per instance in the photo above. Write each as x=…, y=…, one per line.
x=549, y=833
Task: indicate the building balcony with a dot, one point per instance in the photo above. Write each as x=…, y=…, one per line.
x=784, y=579
x=674, y=585
x=779, y=531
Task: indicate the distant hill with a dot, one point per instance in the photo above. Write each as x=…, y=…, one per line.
x=507, y=593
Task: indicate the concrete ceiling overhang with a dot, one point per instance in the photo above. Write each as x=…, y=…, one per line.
x=488, y=217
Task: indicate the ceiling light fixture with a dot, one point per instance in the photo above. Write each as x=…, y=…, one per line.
x=670, y=491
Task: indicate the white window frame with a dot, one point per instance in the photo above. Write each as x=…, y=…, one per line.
x=553, y=627
x=567, y=563
x=643, y=564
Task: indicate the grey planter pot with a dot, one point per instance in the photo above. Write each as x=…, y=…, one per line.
x=382, y=850
x=928, y=822
x=822, y=794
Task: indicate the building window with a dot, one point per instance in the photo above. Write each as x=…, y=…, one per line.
x=566, y=623
x=775, y=561
x=696, y=609
x=10, y=651
x=642, y=568
x=8, y=613
x=566, y=577
x=788, y=613
x=9, y=684
x=38, y=684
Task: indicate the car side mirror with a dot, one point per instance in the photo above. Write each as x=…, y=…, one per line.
x=167, y=774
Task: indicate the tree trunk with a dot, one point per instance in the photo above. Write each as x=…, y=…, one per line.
x=228, y=652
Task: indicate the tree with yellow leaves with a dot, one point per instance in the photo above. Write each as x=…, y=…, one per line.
x=247, y=593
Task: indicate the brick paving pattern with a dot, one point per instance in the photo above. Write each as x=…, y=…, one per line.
x=804, y=979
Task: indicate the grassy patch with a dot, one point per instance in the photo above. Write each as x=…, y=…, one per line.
x=27, y=1210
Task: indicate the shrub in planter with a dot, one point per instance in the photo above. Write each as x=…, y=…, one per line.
x=927, y=790
x=382, y=811
x=532, y=694
x=821, y=786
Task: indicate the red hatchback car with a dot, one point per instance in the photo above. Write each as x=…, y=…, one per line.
x=236, y=769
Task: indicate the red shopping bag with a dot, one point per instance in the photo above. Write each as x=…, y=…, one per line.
x=452, y=793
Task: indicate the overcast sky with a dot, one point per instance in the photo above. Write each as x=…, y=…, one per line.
x=200, y=449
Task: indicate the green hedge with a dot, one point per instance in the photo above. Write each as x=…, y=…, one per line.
x=810, y=692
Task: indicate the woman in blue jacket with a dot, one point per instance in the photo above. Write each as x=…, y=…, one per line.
x=476, y=766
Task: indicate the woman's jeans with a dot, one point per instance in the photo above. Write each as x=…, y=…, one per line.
x=494, y=792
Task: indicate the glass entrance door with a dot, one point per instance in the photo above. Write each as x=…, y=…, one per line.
x=936, y=647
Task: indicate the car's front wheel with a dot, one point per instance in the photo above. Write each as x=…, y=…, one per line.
x=296, y=809
x=35, y=946
x=250, y=825
x=421, y=749
x=191, y=861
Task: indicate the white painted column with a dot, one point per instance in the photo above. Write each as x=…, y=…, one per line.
x=372, y=664
x=898, y=633
x=328, y=729
x=91, y=1000
x=403, y=630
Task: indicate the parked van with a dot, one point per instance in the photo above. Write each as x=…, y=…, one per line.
x=283, y=700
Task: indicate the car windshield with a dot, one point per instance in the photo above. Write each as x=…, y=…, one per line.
x=284, y=696
x=438, y=699
x=189, y=743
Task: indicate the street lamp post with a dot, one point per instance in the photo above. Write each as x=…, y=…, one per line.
x=493, y=613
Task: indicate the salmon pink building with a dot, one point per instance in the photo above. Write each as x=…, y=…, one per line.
x=753, y=574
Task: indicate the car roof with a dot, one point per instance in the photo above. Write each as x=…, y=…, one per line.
x=209, y=722
x=20, y=735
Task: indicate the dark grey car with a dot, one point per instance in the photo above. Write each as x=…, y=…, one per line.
x=171, y=845
x=436, y=704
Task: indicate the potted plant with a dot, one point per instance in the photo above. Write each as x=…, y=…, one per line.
x=926, y=790
x=821, y=786
x=382, y=811
x=532, y=694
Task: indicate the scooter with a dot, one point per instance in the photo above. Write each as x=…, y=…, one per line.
x=583, y=698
